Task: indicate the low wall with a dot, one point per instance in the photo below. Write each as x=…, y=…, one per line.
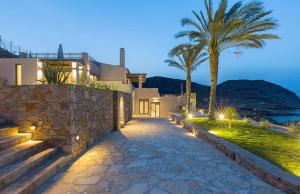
x=62, y=112
x=259, y=167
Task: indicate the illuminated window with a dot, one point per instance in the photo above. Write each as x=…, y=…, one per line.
x=74, y=72
x=18, y=71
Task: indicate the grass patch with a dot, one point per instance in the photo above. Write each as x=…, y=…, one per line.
x=281, y=149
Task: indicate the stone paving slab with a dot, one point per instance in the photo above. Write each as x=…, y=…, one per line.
x=153, y=156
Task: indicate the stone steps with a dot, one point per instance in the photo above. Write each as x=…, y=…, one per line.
x=31, y=181
x=12, y=172
x=26, y=164
x=12, y=140
x=20, y=151
x=8, y=131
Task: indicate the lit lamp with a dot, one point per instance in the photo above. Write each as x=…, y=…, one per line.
x=190, y=116
x=221, y=116
x=77, y=137
x=33, y=127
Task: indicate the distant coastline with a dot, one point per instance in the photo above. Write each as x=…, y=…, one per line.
x=295, y=116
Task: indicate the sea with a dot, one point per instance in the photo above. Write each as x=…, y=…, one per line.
x=284, y=119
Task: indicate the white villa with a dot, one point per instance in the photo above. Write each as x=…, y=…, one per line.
x=25, y=69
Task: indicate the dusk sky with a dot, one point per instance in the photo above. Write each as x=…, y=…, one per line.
x=146, y=30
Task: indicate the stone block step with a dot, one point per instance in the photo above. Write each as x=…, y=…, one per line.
x=30, y=182
x=12, y=172
x=10, y=141
x=20, y=151
x=6, y=131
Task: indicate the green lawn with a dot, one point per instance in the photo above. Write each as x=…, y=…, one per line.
x=280, y=149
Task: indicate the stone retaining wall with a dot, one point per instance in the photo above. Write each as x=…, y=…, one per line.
x=259, y=167
x=62, y=112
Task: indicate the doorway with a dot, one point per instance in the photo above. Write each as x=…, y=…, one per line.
x=144, y=107
x=155, y=109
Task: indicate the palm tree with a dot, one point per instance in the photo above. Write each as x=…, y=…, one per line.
x=189, y=57
x=241, y=26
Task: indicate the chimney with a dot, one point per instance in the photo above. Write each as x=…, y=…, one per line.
x=122, y=57
x=85, y=57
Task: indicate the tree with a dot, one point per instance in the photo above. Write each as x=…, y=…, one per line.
x=189, y=57
x=230, y=114
x=241, y=26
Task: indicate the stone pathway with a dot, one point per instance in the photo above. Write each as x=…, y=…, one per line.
x=154, y=156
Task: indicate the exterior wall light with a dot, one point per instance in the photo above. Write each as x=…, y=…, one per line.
x=201, y=111
x=77, y=137
x=33, y=127
x=221, y=116
x=190, y=116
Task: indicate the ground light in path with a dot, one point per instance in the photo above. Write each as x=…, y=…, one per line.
x=281, y=149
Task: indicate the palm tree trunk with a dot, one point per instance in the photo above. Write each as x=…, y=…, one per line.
x=188, y=91
x=214, y=63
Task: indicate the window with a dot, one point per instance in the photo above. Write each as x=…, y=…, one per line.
x=144, y=107
x=18, y=70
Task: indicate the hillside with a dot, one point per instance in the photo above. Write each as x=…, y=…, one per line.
x=245, y=94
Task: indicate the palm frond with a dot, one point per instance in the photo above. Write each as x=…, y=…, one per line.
x=240, y=25
x=173, y=63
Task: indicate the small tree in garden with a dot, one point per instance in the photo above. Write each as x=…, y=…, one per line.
x=265, y=124
x=230, y=114
x=53, y=73
x=293, y=127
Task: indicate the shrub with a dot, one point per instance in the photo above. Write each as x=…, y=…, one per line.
x=101, y=86
x=265, y=124
x=293, y=127
x=230, y=114
x=247, y=121
x=53, y=73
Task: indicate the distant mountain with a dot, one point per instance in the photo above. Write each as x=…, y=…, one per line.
x=244, y=94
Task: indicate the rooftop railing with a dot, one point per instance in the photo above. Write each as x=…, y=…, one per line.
x=51, y=55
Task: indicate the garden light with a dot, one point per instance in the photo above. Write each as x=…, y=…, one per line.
x=221, y=116
x=77, y=137
x=190, y=116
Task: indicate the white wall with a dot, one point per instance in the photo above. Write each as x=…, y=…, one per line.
x=112, y=73
x=168, y=104
x=29, y=70
x=143, y=93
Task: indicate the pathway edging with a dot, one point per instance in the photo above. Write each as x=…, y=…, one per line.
x=259, y=167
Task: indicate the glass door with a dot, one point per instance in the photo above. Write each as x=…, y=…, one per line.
x=155, y=109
